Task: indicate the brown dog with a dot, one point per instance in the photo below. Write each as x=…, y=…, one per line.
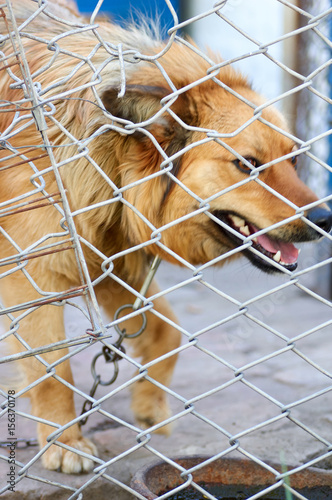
x=220, y=188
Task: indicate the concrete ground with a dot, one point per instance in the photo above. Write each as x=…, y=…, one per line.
x=286, y=378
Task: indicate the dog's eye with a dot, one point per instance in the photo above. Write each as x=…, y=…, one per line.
x=294, y=162
x=245, y=168
x=293, y=159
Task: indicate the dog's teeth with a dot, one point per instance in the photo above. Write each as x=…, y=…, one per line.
x=237, y=221
x=277, y=256
x=245, y=230
x=255, y=240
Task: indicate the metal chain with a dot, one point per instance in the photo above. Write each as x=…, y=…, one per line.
x=110, y=356
x=21, y=443
x=110, y=353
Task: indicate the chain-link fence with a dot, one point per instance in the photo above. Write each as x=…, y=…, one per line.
x=119, y=150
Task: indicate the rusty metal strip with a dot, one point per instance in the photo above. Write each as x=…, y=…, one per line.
x=68, y=294
x=39, y=157
x=34, y=205
x=9, y=66
x=22, y=258
x=28, y=209
x=41, y=198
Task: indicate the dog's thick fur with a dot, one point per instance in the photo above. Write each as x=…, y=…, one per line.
x=205, y=170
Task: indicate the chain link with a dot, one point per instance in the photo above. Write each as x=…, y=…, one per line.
x=20, y=443
x=110, y=356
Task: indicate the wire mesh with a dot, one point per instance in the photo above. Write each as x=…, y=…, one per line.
x=253, y=376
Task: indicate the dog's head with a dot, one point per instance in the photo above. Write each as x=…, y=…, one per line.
x=238, y=187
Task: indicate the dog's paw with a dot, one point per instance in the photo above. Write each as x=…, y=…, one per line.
x=60, y=459
x=147, y=422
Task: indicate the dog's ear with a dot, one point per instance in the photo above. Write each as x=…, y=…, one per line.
x=138, y=104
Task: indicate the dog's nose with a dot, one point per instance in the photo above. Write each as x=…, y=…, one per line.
x=322, y=217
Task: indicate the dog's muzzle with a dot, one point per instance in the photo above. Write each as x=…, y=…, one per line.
x=280, y=250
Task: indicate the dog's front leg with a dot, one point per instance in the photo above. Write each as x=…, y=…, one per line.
x=52, y=401
x=149, y=402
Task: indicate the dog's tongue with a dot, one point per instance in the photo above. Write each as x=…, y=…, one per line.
x=289, y=253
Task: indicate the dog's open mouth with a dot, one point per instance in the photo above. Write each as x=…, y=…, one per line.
x=283, y=253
